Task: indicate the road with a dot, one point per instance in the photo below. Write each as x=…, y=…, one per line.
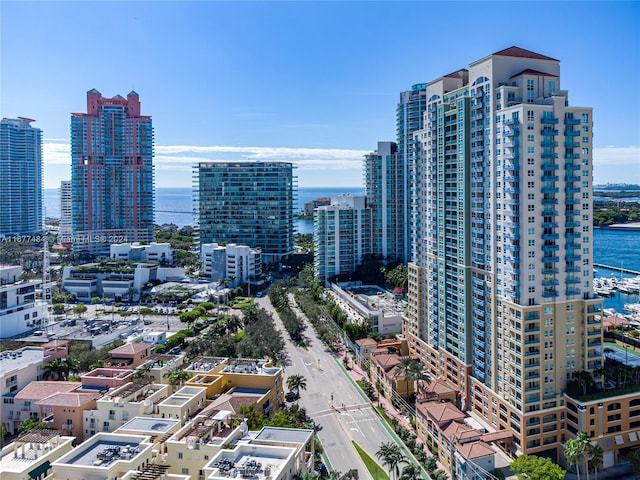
x=350, y=416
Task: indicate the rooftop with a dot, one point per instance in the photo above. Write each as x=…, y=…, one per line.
x=103, y=449
x=130, y=348
x=42, y=389
x=298, y=436
x=13, y=360
x=69, y=399
x=473, y=450
x=522, y=53
x=152, y=426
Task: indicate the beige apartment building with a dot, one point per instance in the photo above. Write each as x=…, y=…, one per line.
x=500, y=297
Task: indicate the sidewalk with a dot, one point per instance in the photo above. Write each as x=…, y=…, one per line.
x=356, y=373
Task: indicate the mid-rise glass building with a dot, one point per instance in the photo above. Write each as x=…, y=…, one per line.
x=247, y=203
x=112, y=175
x=20, y=178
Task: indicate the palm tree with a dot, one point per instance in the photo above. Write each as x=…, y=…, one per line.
x=596, y=457
x=296, y=383
x=55, y=369
x=73, y=366
x=178, y=377
x=585, y=442
x=635, y=371
x=410, y=472
x=584, y=379
x=408, y=370
x=391, y=456
x=573, y=451
x=439, y=475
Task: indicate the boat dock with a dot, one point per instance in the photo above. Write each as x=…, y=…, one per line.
x=616, y=269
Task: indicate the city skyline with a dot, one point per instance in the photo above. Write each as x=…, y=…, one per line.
x=293, y=81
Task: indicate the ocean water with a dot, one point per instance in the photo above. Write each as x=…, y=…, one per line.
x=616, y=248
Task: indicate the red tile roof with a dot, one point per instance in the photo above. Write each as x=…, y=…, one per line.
x=522, y=53
x=440, y=412
x=38, y=390
x=363, y=342
x=130, y=348
x=68, y=399
x=475, y=450
x=530, y=71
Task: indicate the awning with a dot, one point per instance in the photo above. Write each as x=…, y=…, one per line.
x=39, y=470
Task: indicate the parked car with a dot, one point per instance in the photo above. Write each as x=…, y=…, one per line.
x=290, y=396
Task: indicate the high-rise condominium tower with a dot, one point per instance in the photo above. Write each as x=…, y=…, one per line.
x=248, y=203
x=111, y=173
x=500, y=287
x=65, y=211
x=20, y=177
x=342, y=235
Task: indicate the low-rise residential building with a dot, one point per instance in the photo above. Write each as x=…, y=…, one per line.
x=20, y=312
x=158, y=429
x=18, y=368
x=56, y=349
x=25, y=402
x=384, y=369
x=129, y=355
x=153, y=252
x=236, y=263
x=372, y=303
x=242, y=380
x=272, y=453
x=363, y=348
x=611, y=421
x=29, y=457
x=464, y=446
x=189, y=449
x=64, y=411
x=117, y=407
x=105, y=456
x=106, y=378
x=183, y=404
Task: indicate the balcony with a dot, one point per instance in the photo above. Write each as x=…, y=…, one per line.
x=571, y=133
x=549, y=294
x=572, y=121
x=477, y=116
x=571, y=144
x=550, y=189
x=477, y=105
x=548, y=121
x=511, y=121
x=549, y=155
x=571, y=167
x=511, y=133
x=572, y=156
x=549, y=143
x=478, y=94
x=550, y=132
x=550, y=236
x=550, y=271
x=550, y=165
x=550, y=178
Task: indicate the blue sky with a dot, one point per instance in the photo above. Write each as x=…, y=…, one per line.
x=315, y=83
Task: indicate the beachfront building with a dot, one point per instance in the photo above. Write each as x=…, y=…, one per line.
x=20, y=311
x=500, y=301
x=237, y=264
x=112, y=179
x=341, y=235
x=247, y=203
x=18, y=368
x=20, y=177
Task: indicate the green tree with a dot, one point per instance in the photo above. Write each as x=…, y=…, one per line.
x=29, y=424
x=391, y=456
x=585, y=442
x=80, y=309
x=439, y=475
x=56, y=369
x=596, y=457
x=178, y=376
x=58, y=308
x=409, y=370
x=574, y=452
x=254, y=417
x=296, y=382
x=410, y=472
x=530, y=467
x=396, y=276
x=634, y=459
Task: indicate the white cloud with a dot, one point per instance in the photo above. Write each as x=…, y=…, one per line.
x=56, y=151
x=617, y=156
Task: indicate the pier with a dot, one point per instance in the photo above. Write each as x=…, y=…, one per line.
x=616, y=269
